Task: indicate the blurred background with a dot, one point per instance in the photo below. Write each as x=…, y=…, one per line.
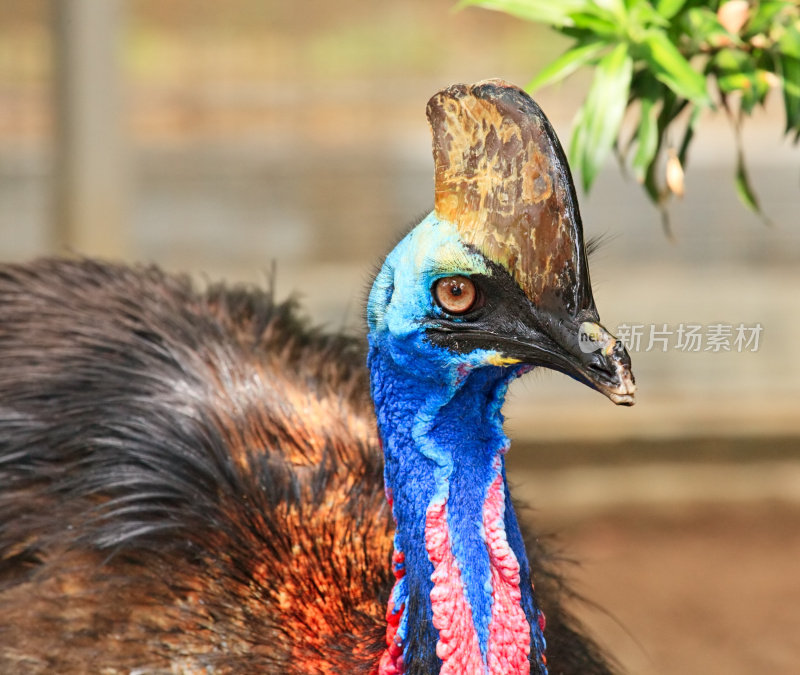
x=222, y=139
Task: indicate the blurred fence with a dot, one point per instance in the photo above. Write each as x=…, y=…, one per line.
x=261, y=132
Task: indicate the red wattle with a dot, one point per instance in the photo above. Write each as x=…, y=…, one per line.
x=458, y=646
x=509, y=630
x=391, y=662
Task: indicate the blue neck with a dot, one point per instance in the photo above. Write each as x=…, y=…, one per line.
x=443, y=441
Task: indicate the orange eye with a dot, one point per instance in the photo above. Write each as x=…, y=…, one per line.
x=455, y=295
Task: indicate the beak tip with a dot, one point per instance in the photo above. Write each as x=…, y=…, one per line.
x=605, y=363
x=625, y=392
x=623, y=399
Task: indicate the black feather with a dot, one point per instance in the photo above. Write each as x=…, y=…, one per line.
x=192, y=480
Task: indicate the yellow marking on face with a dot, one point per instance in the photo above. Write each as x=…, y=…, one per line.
x=608, y=350
x=497, y=359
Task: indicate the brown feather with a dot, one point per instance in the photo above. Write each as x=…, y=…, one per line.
x=190, y=482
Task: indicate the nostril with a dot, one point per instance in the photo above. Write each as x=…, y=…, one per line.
x=600, y=365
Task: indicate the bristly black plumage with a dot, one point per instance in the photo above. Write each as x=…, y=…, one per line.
x=192, y=482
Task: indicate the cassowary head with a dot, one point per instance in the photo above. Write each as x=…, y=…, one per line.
x=497, y=274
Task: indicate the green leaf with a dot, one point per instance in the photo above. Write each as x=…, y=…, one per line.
x=790, y=77
x=539, y=11
x=789, y=42
x=647, y=137
x=743, y=187
x=577, y=140
x=651, y=183
x=566, y=64
x=601, y=114
x=732, y=60
x=599, y=24
x=763, y=15
x=688, y=135
x=736, y=72
x=733, y=82
x=641, y=15
x=672, y=69
x=577, y=144
x=669, y=8
x=759, y=83
x=648, y=90
x=703, y=28
x=671, y=108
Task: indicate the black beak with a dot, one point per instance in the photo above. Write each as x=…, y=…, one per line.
x=585, y=351
x=578, y=346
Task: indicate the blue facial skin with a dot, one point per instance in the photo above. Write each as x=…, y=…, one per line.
x=439, y=416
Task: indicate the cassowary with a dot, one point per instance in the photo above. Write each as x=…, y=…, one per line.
x=196, y=482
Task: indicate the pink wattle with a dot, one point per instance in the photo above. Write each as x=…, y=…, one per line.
x=509, y=630
x=391, y=662
x=509, y=644
x=458, y=646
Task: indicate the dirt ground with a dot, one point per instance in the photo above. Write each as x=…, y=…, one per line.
x=692, y=589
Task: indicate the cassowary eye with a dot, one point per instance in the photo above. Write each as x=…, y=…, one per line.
x=456, y=295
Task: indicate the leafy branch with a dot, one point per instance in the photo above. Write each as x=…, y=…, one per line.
x=666, y=61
